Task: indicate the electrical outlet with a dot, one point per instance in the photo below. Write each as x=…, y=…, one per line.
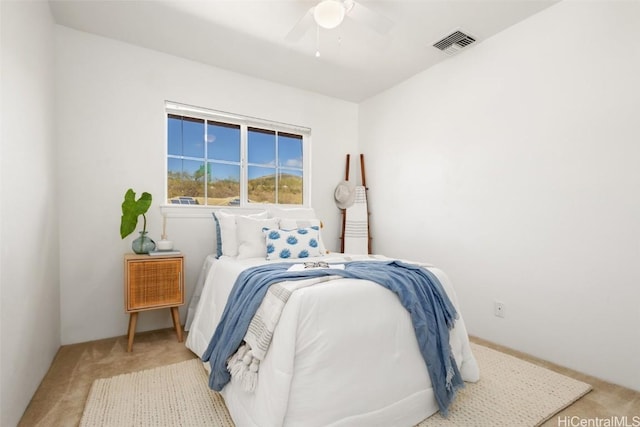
x=498, y=309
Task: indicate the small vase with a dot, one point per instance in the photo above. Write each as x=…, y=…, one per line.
x=143, y=244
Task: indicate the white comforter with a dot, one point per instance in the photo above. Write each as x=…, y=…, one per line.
x=343, y=354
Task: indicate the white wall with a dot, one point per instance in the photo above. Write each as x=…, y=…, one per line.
x=516, y=167
x=30, y=307
x=110, y=112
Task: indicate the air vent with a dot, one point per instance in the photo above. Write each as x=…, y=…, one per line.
x=454, y=42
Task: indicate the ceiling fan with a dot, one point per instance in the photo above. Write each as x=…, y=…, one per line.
x=330, y=14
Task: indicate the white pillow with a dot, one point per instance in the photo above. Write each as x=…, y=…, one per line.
x=292, y=244
x=251, y=242
x=291, y=213
x=228, y=230
x=290, y=224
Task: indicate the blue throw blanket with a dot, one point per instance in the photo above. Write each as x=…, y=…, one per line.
x=419, y=291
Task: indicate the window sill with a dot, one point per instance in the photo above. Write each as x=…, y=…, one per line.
x=199, y=211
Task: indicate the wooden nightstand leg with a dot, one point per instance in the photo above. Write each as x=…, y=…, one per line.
x=133, y=319
x=175, y=314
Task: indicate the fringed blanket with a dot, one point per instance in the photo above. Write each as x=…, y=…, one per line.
x=419, y=291
x=245, y=363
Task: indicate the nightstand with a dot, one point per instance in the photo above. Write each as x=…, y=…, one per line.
x=150, y=283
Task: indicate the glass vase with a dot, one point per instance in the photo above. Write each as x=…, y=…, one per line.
x=143, y=244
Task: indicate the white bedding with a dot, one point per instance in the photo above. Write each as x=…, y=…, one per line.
x=343, y=354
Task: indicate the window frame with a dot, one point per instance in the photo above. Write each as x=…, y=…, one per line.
x=245, y=122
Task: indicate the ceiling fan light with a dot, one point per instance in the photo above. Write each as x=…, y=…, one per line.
x=329, y=13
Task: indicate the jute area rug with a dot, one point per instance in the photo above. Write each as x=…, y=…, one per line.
x=511, y=392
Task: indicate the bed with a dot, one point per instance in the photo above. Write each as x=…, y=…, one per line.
x=344, y=353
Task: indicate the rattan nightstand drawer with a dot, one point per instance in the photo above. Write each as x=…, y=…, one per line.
x=153, y=283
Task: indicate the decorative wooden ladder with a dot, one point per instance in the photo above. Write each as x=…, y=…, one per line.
x=344, y=211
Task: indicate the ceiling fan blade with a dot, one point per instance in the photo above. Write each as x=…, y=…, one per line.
x=301, y=27
x=370, y=18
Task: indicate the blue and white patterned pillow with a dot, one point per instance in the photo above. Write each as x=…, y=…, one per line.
x=291, y=223
x=292, y=244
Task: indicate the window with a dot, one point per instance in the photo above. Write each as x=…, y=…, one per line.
x=218, y=159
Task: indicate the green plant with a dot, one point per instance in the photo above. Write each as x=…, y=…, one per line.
x=131, y=210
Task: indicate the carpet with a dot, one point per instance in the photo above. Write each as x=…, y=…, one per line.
x=511, y=392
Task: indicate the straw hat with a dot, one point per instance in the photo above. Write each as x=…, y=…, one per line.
x=345, y=194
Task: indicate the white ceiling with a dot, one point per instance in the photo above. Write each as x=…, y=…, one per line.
x=248, y=36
